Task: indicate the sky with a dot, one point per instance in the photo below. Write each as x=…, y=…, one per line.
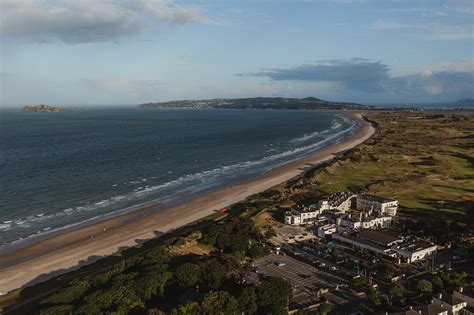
x=111, y=52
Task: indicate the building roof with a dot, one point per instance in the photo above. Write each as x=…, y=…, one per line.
x=338, y=198
x=380, y=237
x=450, y=299
x=375, y=198
x=306, y=209
x=408, y=312
x=414, y=244
x=333, y=214
x=467, y=291
x=429, y=309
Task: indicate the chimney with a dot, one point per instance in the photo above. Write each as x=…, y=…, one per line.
x=440, y=296
x=411, y=307
x=460, y=289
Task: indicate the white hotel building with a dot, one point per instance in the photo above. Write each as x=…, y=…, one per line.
x=371, y=203
x=304, y=215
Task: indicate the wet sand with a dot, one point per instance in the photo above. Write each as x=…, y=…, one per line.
x=73, y=248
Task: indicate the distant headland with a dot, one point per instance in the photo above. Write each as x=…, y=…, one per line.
x=256, y=103
x=44, y=109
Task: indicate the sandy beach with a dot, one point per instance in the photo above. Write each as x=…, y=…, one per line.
x=73, y=248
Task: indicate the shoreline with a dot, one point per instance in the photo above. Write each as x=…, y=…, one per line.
x=168, y=201
x=72, y=249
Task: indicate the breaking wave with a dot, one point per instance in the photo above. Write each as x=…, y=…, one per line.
x=42, y=224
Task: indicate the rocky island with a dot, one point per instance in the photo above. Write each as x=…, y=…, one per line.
x=44, y=109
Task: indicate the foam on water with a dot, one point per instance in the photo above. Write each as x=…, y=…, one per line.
x=141, y=191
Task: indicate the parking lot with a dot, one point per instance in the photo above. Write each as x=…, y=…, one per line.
x=302, y=276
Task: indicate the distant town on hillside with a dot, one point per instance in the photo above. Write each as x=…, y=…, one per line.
x=257, y=103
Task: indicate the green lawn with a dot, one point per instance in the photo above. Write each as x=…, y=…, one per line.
x=426, y=163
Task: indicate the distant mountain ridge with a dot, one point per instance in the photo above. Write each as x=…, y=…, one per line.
x=256, y=103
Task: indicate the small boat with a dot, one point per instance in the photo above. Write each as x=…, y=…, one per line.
x=40, y=215
x=6, y=222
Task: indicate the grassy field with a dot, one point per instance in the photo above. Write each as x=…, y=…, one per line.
x=423, y=160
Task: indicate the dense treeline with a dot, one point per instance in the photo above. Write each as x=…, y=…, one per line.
x=160, y=282
x=418, y=290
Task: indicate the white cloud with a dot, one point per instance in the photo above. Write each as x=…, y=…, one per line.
x=167, y=10
x=432, y=31
x=373, y=77
x=84, y=21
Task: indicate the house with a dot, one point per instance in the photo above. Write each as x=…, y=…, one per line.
x=386, y=243
x=371, y=203
x=376, y=212
x=364, y=221
x=377, y=242
x=304, y=215
x=341, y=201
x=378, y=221
x=465, y=294
x=325, y=230
x=430, y=309
x=468, y=310
x=352, y=222
x=412, y=249
x=450, y=303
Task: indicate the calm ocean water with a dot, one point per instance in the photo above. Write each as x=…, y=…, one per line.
x=58, y=169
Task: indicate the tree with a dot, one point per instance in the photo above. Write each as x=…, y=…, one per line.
x=150, y=284
x=388, y=271
x=213, y=274
x=189, y=308
x=360, y=283
x=270, y=233
x=187, y=275
x=424, y=286
x=57, y=309
x=248, y=300
x=219, y=302
x=274, y=294
x=258, y=251
x=396, y=291
x=325, y=308
x=155, y=311
x=374, y=296
x=438, y=284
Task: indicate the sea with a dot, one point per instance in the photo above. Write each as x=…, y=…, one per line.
x=63, y=170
